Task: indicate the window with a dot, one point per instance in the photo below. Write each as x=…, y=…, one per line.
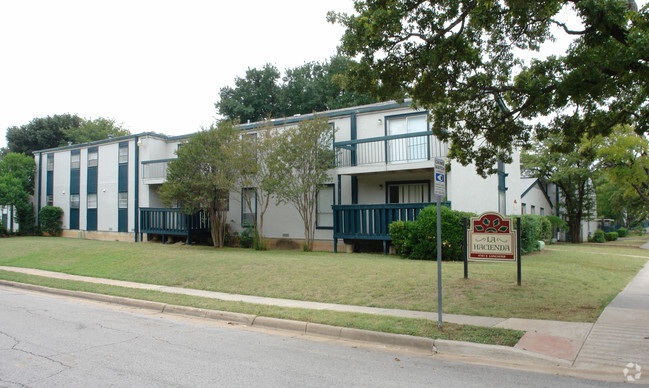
x=523, y=208
x=408, y=192
x=123, y=200
x=92, y=158
x=75, y=159
x=123, y=154
x=542, y=211
x=248, y=206
x=408, y=149
x=92, y=201
x=532, y=209
x=324, y=212
x=74, y=201
x=50, y=162
x=50, y=200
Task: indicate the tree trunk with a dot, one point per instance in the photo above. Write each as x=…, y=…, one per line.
x=575, y=231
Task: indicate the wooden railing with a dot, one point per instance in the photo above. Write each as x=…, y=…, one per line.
x=173, y=222
x=372, y=222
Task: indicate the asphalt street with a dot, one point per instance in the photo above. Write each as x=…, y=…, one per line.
x=53, y=342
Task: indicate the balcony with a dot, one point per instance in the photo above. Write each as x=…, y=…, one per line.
x=173, y=222
x=389, y=152
x=372, y=222
x=154, y=172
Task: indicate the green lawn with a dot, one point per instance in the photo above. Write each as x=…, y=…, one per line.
x=565, y=282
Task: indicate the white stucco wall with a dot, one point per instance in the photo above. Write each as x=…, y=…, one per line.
x=107, y=180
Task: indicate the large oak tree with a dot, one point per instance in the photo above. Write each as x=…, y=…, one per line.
x=461, y=60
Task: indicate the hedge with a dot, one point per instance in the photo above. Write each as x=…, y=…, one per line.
x=534, y=228
x=598, y=236
x=610, y=236
x=622, y=232
x=418, y=239
x=50, y=217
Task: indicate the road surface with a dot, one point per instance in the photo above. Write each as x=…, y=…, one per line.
x=48, y=341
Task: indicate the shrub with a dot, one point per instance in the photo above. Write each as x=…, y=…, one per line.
x=3, y=230
x=50, y=217
x=610, y=236
x=245, y=238
x=534, y=229
x=622, y=232
x=418, y=239
x=598, y=236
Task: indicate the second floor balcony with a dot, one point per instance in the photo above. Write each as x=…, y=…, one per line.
x=154, y=171
x=395, y=151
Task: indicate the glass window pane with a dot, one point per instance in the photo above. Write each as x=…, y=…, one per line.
x=50, y=162
x=74, y=160
x=417, y=124
x=123, y=200
x=50, y=200
x=92, y=159
x=92, y=201
x=248, y=206
x=397, y=126
x=123, y=154
x=74, y=201
x=325, y=214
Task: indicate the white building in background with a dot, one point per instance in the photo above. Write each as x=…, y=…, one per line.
x=8, y=218
x=384, y=169
x=544, y=198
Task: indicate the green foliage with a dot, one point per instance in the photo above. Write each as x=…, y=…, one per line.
x=571, y=167
x=246, y=237
x=17, y=173
x=312, y=87
x=50, y=217
x=418, y=239
x=299, y=168
x=556, y=222
x=3, y=230
x=611, y=236
x=534, y=228
x=466, y=62
x=204, y=174
x=622, y=232
x=91, y=130
x=41, y=133
x=623, y=187
x=598, y=236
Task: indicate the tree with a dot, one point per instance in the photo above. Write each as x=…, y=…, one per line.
x=17, y=173
x=304, y=154
x=312, y=87
x=572, y=171
x=253, y=98
x=92, y=130
x=41, y=133
x=462, y=60
x=619, y=203
x=624, y=157
x=255, y=164
x=203, y=176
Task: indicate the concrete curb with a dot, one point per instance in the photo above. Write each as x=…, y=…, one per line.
x=504, y=353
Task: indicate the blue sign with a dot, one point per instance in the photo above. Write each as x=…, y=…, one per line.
x=439, y=177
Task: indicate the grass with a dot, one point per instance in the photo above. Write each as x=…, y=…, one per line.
x=634, y=241
x=565, y=282
x=387, y=324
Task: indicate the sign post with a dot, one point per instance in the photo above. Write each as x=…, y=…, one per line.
x=440, y=191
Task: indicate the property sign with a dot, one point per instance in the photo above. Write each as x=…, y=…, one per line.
x=492, y=237
x=440, y=177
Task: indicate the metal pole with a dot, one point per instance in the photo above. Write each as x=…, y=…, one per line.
x=518, y=251
x=439, y=261
x=464, y=249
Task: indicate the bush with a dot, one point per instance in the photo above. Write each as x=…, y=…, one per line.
x=3, y=230
x=245, y=238
x=622, y=232
x=610, y=236
x=50, y=217
x=418, y=239
x=534, y=229
x=598, y=236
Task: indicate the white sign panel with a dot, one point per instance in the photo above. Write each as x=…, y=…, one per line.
x=439, y=187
